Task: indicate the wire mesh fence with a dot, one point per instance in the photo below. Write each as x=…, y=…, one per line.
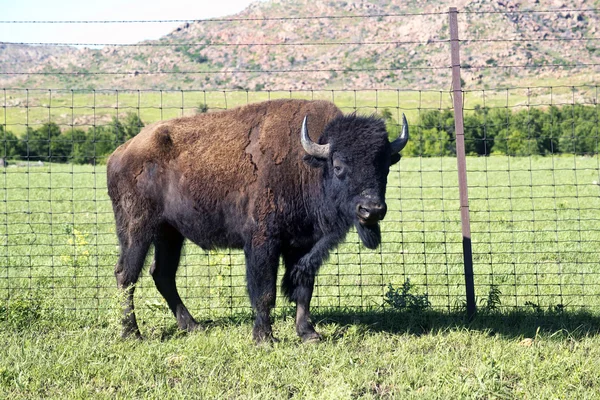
x=532, y=167
x=534, y=199
x=59, y=228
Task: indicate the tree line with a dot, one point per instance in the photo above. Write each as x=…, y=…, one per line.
x=572, y=129
x=534, y=131
x=49, y=143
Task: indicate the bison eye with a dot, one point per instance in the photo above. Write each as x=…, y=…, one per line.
x=338, y=170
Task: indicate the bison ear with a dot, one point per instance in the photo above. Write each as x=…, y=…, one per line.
x=314, y=161
x=394, y=159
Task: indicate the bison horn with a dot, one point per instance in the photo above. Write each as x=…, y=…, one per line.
x=401, y=141
x=312, y=148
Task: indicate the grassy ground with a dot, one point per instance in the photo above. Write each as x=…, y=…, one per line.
x=364, y=355
x=535, y=238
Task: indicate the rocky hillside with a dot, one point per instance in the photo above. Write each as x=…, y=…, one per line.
x=267, y=50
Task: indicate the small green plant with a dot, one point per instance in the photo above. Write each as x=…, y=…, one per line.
x=77, y=253
x=534, y=306
x=202, y=108
x=21, y=313
x=492, y=302
x=552, y=309
x=402, y=300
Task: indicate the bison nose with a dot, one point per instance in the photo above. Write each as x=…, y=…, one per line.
x=370, y=212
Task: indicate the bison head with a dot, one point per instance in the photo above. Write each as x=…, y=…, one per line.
x=355, y=155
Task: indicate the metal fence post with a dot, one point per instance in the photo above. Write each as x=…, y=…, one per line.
x=461, y=163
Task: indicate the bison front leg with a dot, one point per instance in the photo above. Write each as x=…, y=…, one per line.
x=302, y=266
x=299, y=289
x=261, y=275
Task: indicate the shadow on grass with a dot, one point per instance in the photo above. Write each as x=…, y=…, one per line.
x=511, y=324
x=517, y=323
x=520, y=323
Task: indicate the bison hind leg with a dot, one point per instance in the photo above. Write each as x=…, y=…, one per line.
x=167, y=252
x=261, y=275
x=135, y=230
x=127, y=272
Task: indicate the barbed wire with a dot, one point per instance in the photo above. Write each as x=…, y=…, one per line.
x=547, y=11
x=145, y=44
x=383, y=15
x=145, y=21
x=357, y=90
x=467, y=66
x=531, y=40
x=313, y=70
x=228, y=71
x=351, y=43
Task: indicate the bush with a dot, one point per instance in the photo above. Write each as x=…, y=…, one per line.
x=11, y=146
x=202, y=108
x=401, y=299
x=570, y=129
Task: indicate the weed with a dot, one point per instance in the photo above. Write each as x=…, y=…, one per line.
x=401, y=299
x=21, y=313
x=202, y=108
x=492, y=302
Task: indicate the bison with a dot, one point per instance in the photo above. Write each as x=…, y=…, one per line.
x=249, y=178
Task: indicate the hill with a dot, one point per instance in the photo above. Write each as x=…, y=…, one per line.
x=264, y=48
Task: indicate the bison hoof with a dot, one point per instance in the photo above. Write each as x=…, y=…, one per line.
x=311, y=337
x=188, y=324
x=131, y=334
x=193, y=327
x=264, y=337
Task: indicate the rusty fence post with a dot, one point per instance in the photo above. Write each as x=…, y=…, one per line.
x=461, y=163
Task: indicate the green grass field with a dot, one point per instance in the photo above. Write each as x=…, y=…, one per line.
x=85, y=108
x=535, y=238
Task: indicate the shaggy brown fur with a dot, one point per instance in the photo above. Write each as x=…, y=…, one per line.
x=207, y=174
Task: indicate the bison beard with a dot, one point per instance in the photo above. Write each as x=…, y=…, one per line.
x=249, y=178
x=369, y=234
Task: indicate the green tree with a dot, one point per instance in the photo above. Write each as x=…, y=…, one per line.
x=125, y=128
x=132, y=124
x=80, y=146
x=476, y=140
x=579, y=129
x=515, y=142
x=579, y=138
x=100, y=143
x=11, y=146
x=432, y=135
x=41, y=141
x=429, y=143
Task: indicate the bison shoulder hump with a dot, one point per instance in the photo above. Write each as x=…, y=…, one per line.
x=162, y=136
